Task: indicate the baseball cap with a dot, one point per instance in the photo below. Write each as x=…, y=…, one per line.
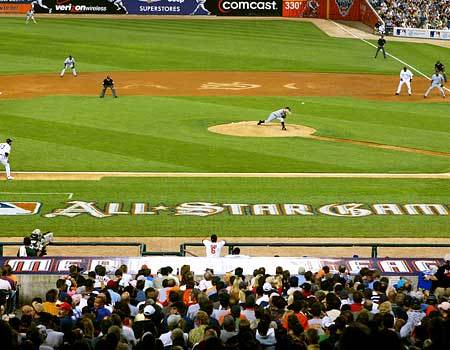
x=65, y=306
x=301, y=270
x=267, y=287
x=149, y=310
x=444, y=306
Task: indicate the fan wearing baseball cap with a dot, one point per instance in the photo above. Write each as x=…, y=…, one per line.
x=66, y=322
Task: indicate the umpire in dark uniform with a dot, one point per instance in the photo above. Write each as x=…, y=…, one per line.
x=439, y=68
x=381, y=43
x=108, y=83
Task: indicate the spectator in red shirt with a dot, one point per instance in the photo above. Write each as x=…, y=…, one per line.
x=357, y=302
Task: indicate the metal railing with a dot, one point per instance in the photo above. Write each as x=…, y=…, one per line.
x=374, y=246
x=183, y=247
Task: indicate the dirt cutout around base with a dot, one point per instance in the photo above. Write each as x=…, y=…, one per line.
x=251, y=129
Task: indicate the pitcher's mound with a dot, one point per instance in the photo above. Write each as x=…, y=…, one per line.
x=250, y=129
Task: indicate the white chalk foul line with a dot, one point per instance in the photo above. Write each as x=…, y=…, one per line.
x=387, y=53
x=42, y=175
x=68, y=194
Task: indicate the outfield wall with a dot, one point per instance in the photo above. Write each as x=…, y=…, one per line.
x=328, y=9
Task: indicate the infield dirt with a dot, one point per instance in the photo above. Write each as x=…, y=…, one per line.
x=362, y=86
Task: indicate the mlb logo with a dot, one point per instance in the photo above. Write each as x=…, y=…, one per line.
x=19, y=208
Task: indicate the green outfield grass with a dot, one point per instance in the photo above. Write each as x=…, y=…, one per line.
x=171, y=192
x=144, y=133
x=170, y=134
x=242, y=45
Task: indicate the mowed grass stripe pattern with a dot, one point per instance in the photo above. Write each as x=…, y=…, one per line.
x=171, y=192
x=138, y=133
x=236, y=45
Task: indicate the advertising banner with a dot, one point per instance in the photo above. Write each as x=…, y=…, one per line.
x=422, y=33
x=167, y=7
x=245, y=7
x=14, y=6
x=114, y=7
x=60, y=265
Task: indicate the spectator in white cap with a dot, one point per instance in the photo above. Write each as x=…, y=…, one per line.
x=263, y=301
x=444, y=309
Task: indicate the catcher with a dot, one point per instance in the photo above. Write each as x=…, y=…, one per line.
x=69, y=63
x=439, y=68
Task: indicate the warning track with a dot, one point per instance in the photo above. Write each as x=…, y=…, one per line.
x=95, y=176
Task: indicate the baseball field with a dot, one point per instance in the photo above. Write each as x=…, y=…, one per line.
x=356, y=160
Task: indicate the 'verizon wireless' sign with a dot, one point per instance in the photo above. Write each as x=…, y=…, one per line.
x=204, y=209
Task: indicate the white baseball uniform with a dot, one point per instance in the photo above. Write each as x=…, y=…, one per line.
x=436, y=81
x=213, y=249
x=405, y=78
x=5, y=151
x=279, y=115
x=30, y=15
x=69, y=63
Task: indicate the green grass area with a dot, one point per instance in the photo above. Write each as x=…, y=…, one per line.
x=172, y=192
x=139, y=133
x=146, y=133
x=220, y=45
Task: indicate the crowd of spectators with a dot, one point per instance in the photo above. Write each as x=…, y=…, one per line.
x=424, y=14
x=321, y=310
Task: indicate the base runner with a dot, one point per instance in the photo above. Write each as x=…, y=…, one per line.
x=405, y=78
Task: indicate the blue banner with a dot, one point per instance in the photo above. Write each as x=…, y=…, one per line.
x=166, y=7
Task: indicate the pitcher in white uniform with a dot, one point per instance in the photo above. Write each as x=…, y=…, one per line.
x=437, y=81
x=405, y=78
x=5, y=151
x=279, y=115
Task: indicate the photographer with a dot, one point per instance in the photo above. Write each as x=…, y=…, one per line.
x=26, y=250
